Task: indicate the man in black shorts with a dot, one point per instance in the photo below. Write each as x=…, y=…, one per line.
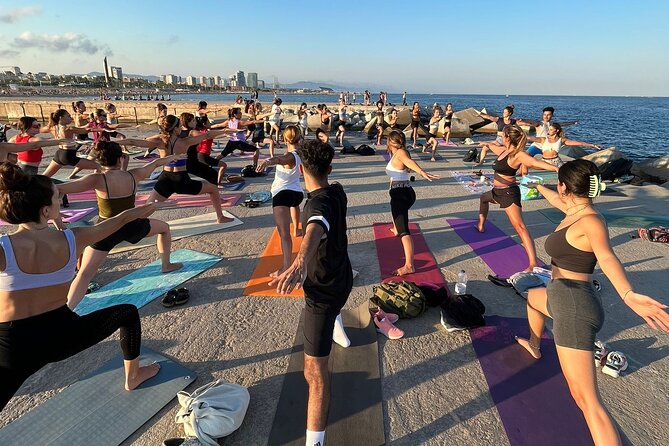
x=323, y=269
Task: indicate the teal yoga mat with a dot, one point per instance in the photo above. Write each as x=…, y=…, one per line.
x=145, y=284
x=97, y=410
x=619, y=220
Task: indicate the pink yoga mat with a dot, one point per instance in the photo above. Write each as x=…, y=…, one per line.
x=68, y=215
x=442, y=143
x=532, y=397
x=499, y=251
x=88, y=195
x=184, y=201
x=391, y=256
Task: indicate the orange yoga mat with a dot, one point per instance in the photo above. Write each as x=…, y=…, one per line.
x=270, y=261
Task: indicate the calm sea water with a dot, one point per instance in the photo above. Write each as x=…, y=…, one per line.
x=638, y=126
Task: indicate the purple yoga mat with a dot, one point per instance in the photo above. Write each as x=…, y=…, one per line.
x=385, y=155
x=499, y=251
x=147, y=159
x=531, y=396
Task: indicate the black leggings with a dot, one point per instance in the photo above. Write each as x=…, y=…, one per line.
x=243, y=146
x=401, y=200
x=199, y=169
x=27, y=345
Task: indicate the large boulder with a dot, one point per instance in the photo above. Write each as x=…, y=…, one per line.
x=600, y=157
x=653, y=169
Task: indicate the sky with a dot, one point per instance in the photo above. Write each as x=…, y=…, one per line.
x=566, y=47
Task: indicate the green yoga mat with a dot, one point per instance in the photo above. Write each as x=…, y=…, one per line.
x=620, y=220
x=97, y=410
x=145, y=284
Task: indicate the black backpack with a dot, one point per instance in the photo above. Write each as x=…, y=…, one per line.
x=615, y=169
x=347, y=149
x=471, y=155
x=249, y=171
x=365, y=150
x=465, y=309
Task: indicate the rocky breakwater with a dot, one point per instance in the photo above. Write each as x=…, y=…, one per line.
x=651, y=170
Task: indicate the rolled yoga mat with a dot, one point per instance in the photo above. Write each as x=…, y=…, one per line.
x=97, y=410
x=391, y=256
x=612, y=219
x=270, y=261
x=183, y=227
x=356, y=412
x=500, y=252
x=145, y=284
x=531, y=396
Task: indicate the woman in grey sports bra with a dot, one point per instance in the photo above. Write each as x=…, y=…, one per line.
x=580, y=241
x=37, y=265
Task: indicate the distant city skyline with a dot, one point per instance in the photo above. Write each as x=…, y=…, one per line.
x=566, y=48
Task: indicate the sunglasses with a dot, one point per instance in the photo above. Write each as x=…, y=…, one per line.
x=36, y=125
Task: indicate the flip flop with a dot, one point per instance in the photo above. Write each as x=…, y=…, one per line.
x=174, y=297
x=499, y=281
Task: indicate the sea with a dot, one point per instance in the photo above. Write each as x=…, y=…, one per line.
x=637, y=126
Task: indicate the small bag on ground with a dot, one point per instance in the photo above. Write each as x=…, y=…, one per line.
x=464, y=310
x=365, y=150
x=471, y=155
x=212, y=411
x=402, y=298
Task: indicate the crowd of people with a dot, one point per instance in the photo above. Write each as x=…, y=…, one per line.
x=41, y=280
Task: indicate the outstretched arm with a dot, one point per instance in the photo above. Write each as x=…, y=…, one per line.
x=148, y=143
x=411, y=164
x=89, y=182
x=552, y=197
x=652, y=311
x=573, y=142
x=532, y=163
x=141, y=173
x=294, y=276
x=488, y=117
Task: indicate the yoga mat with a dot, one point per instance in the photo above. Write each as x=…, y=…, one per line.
x=270, y=261
x=238, y=171
x=98, y=410
x=68, y=215
x=146, y=159
x=443, y=143
x=234, y=186
x=499, y=251
x=185, y=201
x=247, y=155
x=472, y=182
x=532, y=397
x=612, y=219
x=146, y=185
x=385, y=155
x=356, y=413
x=146, y=283
x=183, y=227
x=88, y=195
x=391, y=256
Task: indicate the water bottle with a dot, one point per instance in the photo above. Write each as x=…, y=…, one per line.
x=461, y=284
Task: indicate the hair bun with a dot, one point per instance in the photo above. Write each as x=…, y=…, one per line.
x=12, y=178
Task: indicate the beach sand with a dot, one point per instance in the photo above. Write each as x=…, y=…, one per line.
x=433, y=388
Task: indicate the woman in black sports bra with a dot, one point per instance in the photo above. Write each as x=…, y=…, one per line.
x=581, y=241
x=505, y=192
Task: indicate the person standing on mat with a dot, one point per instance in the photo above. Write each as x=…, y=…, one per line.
x=577, y=245
x=506, y=192
x=402, y=195
x=322, y=267
x=415, y=123
x=275, y=121
x=287, y=193
x=174, y=178
x=37, y=265
x=380, y=122
x=448, y=119
x=115, y=190
x=431, y=138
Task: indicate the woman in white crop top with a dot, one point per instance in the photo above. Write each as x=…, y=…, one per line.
x=287, y=193
x=431, y=138
x=275, y=120
x=402, y=195
x=550, y=145
x=37, y=265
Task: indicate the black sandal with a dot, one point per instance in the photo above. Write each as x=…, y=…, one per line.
x=174, y=297
x=499, y=281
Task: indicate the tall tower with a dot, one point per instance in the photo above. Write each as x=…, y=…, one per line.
x=107, y=73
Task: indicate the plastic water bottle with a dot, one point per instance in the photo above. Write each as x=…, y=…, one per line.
x=461, y=284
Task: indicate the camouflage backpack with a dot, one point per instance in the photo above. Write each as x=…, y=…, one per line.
x=402, y=298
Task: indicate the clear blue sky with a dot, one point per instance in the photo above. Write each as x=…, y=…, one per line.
x=488, y=47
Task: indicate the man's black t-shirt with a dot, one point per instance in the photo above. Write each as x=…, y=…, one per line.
x=329, y=275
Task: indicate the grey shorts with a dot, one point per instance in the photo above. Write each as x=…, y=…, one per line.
x=577, y=313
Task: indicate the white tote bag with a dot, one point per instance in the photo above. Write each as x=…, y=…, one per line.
x=213, y=411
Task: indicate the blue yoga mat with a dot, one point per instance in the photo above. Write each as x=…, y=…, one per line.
x=145, y=284
x=97, y=410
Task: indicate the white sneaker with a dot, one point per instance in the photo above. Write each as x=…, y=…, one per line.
x=616, y=362
x=601, y=351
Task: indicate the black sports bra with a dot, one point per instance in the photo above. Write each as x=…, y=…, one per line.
x=565, y=256
x=501, y=167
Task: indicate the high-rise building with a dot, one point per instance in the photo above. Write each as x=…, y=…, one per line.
x=202, y=81
x=190, y=80
x=15, y=70
x=241, y=80
x=218, y=81
x=171, y=79
x=117, y=73
x=163, y=78
x=252, y=80
x=210, y=82
x=261, y=84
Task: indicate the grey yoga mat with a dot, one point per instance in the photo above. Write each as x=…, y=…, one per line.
x=97, y=410
x=356, y=414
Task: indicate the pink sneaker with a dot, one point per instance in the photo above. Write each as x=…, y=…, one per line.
x=384, y=327
x=377, y=312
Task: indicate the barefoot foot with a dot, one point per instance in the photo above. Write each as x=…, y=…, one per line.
x=394, y=231
x=172, y=267
x=534, y=351
x=403, y=270
x=433, y=159
x=143, y=373
x=225, y=220
x=480, y=228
